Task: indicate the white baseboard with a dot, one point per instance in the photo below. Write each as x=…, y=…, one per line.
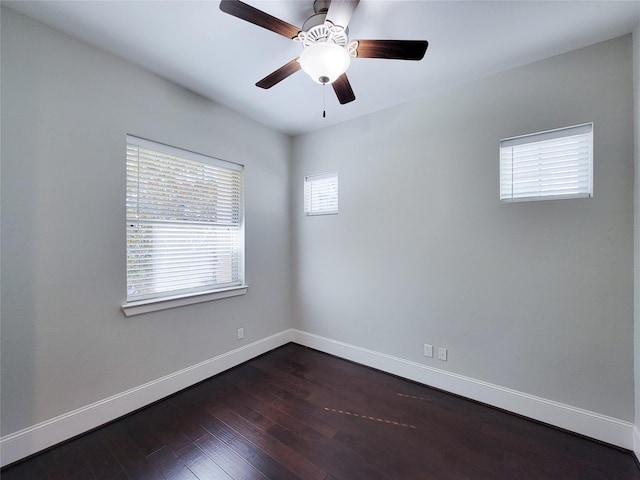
x=601, y=427
x=31, y=440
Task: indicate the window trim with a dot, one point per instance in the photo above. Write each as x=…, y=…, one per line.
x=156, y=304
x=558, y=133
x=173, y=300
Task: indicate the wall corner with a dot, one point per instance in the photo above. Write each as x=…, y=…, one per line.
x=636, y=236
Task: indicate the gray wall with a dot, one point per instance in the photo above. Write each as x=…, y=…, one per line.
x=537, y=297
x=66, y=108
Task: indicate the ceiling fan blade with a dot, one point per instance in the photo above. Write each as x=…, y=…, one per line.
x=343, y=90
x=280, y=74
x=340, y=11
x=258, y=17
x=394, y=49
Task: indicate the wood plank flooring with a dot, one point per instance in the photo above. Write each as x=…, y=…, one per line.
x=296, y=413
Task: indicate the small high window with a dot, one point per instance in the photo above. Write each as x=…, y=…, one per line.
x=321, y=194
x=547, y=165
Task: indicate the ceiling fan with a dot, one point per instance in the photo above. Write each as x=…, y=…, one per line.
x=327, y=51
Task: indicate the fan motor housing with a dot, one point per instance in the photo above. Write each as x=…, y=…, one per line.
x=314, y=20
x=316, y=30
x=321, y=6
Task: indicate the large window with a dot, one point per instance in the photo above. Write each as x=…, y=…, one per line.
x=185, y=231
x=547, y=165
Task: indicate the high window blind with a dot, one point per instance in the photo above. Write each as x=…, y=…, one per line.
x=547, y=165
x=321, y=194
x=185, y=232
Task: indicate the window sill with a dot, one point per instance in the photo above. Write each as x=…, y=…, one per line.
x=145, y=306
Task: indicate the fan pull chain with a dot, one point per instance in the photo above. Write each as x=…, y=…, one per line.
x=324, y=100
x=324, y=80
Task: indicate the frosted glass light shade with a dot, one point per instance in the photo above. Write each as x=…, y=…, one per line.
x=324, y=62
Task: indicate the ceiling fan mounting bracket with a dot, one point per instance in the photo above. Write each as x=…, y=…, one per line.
x=352, y=48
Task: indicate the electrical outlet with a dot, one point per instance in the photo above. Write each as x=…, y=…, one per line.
x=428, y=350
x=240, y=333
x=442, y=354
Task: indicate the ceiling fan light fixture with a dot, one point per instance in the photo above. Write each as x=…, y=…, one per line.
x=324, y=62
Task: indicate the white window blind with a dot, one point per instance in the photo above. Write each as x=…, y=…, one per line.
x=185, y=232
x=321, y=194
x=547, y=165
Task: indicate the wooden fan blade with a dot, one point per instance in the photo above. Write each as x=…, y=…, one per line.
x=340, y=11
x=343, y=90
x=394, y=49
x=280, y=74
x=258, y=17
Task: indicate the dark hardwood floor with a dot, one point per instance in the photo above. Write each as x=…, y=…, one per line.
x=298, y=413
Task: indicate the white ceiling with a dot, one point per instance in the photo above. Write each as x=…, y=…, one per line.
x=194, y=44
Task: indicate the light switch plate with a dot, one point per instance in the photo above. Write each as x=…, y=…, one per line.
x=442, y=354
